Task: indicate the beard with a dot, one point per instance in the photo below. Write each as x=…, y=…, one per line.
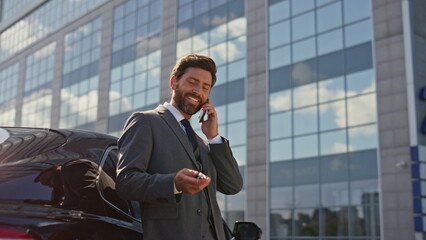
x=179, y=98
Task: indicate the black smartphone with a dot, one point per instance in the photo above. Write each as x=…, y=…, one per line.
x=203, y=114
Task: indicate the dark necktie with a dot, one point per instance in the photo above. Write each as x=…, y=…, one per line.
x=190, y=133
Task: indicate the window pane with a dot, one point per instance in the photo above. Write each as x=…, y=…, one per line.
x=306, y=195
x=335, y=194
x=305, y=95
x=333, y=142
x=279, y=57
x=200, y=41
x=358, y=33
x=281, y=223
x=280, y=150
x=280, y=125
x=306, y=222
x=237, y=27
x=330, y=42
x=334, y=168
x=237, y=70
x=304, y=50
x=363, y=165
x=281, y=173
x=336, y=222
x=331, y=89
x=306, y=171
x=237, y=49
x=361, y=110
x=360, y=82
x=218, y=34
x=237, y=132
x=306, y=146
x=303, y=26
x=365, y=220
x=362, y=191
x=280, y=101
x=236, y=111
x=281, y=197
x=279, y=11
x=356, y=10
x=329, y=17
x=332, y=115
x=298, y=6
x=361, y=138
x=305, y=120
x=279, y=34
x=240, y=155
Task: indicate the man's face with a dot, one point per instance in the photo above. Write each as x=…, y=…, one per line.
x=191, y=91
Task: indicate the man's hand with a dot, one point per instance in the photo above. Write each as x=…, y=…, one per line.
x=209, y=126
x=191, y=181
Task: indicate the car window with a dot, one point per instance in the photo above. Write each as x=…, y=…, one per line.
x=108, y=167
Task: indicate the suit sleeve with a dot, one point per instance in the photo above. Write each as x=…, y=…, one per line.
x=133, y=180
x=229, y=179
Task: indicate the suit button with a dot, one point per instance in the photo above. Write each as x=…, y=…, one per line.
x=199, y=212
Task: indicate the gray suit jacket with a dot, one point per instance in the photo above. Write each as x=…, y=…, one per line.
x=152, y=149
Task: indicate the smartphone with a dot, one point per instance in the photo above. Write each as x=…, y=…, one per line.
x=203, y=114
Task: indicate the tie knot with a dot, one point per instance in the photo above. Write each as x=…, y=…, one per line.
x=185, y=123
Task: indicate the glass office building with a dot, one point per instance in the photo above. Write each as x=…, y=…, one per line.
x=322, y=100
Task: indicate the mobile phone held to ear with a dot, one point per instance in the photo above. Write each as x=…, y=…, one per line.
x=203, y=114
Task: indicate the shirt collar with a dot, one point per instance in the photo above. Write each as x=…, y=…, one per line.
x=179, y=117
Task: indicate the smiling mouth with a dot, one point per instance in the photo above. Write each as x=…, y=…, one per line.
x=193, y=99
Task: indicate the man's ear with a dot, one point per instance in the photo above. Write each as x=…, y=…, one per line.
x=173, y=82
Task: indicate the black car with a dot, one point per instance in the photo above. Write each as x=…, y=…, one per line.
x=60, y=184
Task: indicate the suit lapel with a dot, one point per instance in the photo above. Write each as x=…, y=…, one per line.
x=177, y=130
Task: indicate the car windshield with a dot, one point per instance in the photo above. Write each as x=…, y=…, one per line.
x=21, y=143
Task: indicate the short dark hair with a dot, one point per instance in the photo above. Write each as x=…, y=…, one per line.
x=196, y=61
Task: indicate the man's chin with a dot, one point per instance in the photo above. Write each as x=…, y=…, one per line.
x=191, y=110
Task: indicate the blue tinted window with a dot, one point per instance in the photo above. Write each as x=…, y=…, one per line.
x=305, y=120
x=334, y=168
x=279, y=34
x=279, y=11
x=358, y=33
x=332, y=115
x=306, y=146
x=299, y=6
x=279, y=57
x=329, y=17
x=304, y=50
x=333, y=142
x=280, y=125
x=330, y=41
x=356, y=10
x=303, y=26
x=306, y=171
x=281, y=174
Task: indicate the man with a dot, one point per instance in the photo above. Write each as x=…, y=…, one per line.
x=176, y=180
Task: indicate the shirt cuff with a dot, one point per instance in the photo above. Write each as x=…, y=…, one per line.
x=215, y=140
x=175, y=189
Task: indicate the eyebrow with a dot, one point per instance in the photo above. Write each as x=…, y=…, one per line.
x=204, y=84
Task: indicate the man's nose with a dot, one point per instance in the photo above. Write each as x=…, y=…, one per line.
x=197, y=90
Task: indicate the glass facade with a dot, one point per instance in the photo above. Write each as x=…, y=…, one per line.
x=8, y=91
x=36, y=108
x=46, y=19
x=322, y=120
x=80, y=77
x=218, y=29
x=10, y=7
x=136, y=53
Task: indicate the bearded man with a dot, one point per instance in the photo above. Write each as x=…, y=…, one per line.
x=169, y=169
